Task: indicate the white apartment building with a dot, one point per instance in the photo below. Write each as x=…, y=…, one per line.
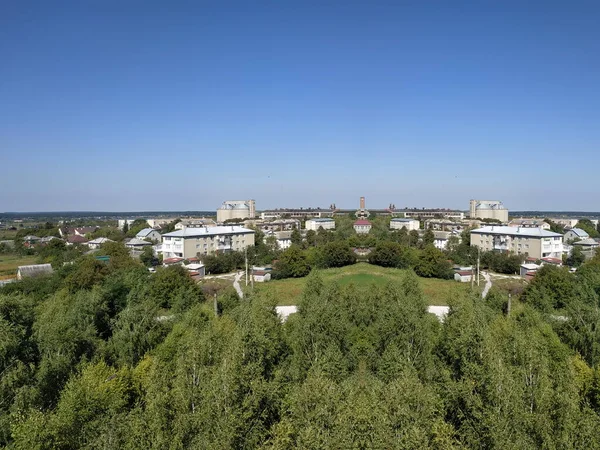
x=535, y=242
x=315, y=224
x=409, y=224
x=191, y=242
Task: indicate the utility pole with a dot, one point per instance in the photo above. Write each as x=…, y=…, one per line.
x=478, y=251
x=216, y=305
x=246, y=254
x=508, y=307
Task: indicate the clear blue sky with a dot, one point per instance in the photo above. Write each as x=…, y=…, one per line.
x=142, y=105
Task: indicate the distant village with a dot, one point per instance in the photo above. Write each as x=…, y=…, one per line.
x=234, y=227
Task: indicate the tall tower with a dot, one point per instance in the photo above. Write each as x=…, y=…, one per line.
x=473, y=209
x=362, y=212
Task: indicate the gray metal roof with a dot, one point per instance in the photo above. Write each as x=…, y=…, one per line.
x=587, y=243
x=210, y=231
x=515, y=231
x=145, y=232
x=136, y=241
x=100, y=240
x=579, y=232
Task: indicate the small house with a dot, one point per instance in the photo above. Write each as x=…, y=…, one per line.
x=137, y=244
x=149, y=233
x=96, y=243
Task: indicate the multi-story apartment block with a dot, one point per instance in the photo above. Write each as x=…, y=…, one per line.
x=315, y=224
x=191, y=242
x=301, y=214
x=409, y=224
x=432, y=213
x=535, y=242
x=273, y=225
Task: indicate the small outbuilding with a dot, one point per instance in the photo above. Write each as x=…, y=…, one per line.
x=528, y=269
x=196, y=269
x=463, y=276
x=261, y=276
x=34, y=270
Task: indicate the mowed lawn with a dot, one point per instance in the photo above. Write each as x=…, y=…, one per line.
x=363, y=276
x=10, y=262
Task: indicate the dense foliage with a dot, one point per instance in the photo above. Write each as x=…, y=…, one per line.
x=107, y=355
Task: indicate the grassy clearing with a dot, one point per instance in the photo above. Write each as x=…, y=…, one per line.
x=10, y=262
x=363, y=276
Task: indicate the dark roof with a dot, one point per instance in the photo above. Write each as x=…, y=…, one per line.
x=172, y=260
x=84, y=230
x=552, y=260
x=362, y=222
x=76, y=239
x=463, y=273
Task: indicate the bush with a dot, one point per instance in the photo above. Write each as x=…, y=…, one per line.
x=335, y=254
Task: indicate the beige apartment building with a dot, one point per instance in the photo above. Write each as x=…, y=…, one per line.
x=409, y=224
x=192, y=242
x=315, y=224
x=535, y=242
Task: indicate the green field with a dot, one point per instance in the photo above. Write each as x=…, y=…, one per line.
x=363, y=276
x=10, y=262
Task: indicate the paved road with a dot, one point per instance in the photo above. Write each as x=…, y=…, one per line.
x=236, y=284
x=488, y=284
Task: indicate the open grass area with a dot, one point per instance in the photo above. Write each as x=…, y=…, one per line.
x=364, y=276
x=10, y=262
